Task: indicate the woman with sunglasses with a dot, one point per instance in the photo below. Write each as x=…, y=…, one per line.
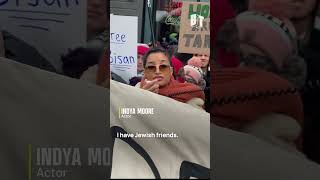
x=158, y=78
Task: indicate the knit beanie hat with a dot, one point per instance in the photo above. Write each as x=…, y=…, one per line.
x=177, y=66
x=274, y=37
x=266, y=42
x=193, y=70
x=142, y=49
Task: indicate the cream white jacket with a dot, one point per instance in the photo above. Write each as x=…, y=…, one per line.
x=43, y=108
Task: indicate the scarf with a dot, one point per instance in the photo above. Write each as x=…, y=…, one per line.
x=182, y=92
x=103, y=73
x=241, y=95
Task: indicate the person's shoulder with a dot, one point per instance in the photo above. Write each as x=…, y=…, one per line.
x=196, y=102
x=90, y=74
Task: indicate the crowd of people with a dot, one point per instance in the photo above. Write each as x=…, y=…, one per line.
x=177, y=75
x=186, y=80
x=264, y=82
x=269, y=51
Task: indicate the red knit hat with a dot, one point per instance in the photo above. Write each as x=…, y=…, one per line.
x=275, y=37
x=193, y=69
x=142, y=50
x=177, y=65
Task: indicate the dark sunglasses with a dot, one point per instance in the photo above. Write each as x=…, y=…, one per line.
x=153, y=68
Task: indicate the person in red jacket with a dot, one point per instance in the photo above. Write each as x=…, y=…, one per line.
x=177, y=65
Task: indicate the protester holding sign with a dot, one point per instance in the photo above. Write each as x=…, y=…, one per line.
x=194, y=34
x=158, y=78
x=37, y=33
x=123, y=46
